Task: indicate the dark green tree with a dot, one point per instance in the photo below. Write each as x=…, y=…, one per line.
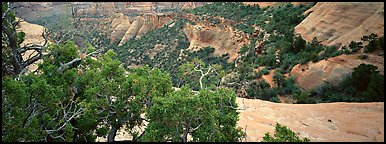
x=278, y=78
x=204, y=115
x=360, y=78
x=299, y=44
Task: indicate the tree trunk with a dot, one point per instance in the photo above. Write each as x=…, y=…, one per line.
x=184, y=137
x=114, y=128
x=17, y=59
x=112, y=134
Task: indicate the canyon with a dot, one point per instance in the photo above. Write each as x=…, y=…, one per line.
x=329, y=22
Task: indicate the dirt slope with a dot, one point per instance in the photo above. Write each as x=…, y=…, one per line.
x=350, y=122
x=336, y=23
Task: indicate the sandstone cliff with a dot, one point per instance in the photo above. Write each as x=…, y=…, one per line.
x=336, y=23
x=332, y=70
x=326, y=122
x=109, y=8
x=223, y=39
x=123, y=28
x=36, y=10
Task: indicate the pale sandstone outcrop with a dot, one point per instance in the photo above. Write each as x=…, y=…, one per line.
x=224, y=40
x=336, y=23
x=332, y=70
x=326, y=122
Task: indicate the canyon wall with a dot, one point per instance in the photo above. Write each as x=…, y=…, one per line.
x=339, y=23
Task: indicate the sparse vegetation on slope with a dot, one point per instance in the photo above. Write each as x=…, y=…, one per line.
x=365, y=84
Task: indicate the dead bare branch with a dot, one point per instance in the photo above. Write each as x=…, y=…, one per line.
x=73, y=63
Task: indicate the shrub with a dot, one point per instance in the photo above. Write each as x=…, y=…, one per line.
x=304, y=98
x=363, y=56
x=355, y=46
x=264, y=71
x=299, y=44
x=283, y=134
x=360, y=78
x=278, y=78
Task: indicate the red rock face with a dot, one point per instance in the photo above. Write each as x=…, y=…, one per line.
x=325, y=122
x=336, y=23
x=108, y=8
x=35, y=10
x=332, y=70
x=123, y=29
x=224, y=40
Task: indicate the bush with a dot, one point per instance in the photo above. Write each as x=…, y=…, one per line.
x=304, y=98
x=374, y=42
x=360, y=78
x=375, y=89
x=278, y=78
x=355, y=46
x=363, y=56
x=345, y=50
x=264, y=71
x=299, y=44
x=283, y=134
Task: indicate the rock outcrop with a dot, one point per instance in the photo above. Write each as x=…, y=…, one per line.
x=35, y=10
x=108, y=8
x=336, y=23
x=124, y=28
x=326, y=122
x=332, y=70
x=224, y=40
x=119, y=25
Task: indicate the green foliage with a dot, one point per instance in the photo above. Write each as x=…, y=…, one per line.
x=206, y=116
x=198, y=75
x=304, y=98
x=367, y=80
x=279, y=22
x=355, y=46
x=264, y=71
x=360, y=77
x=261, y=90
x=375, y=88
x=299, y=44
x=365, y=84
x=38, y=106
x=283, y=134
x=278, y=78
x=244, y=15
x=172, y=56
x=105, y=97
x=374, y=42
x=289, y=87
